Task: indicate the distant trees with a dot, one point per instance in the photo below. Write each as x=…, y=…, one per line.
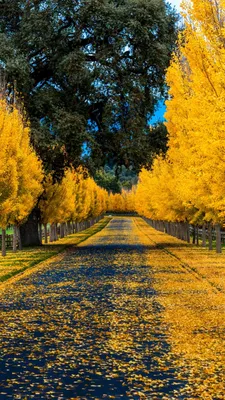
x=75, y=199
x=108, y=180
x=114, y=179
x=122, y=202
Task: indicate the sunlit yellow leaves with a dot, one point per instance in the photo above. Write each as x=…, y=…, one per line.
x=122, y=202
x=190, y=183
x=20, y=169
x=190, y=283
x=76, y=198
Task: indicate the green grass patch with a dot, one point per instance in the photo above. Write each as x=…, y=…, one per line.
x=9, y=231
x=15, y=263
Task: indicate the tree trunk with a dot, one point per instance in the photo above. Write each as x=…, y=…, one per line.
x=61, y=230
x=210, y=237
x=188, y=232
x=65, y=229
x=69, y=228
x=203, y=236
x=19, y=240
x=218, y=239
x=184, y=231
x=55, y=232
x=46, y=233
x=40, y=232
x=51, y=233
x=197, y=235
x=77, y=227
x=29, y=230
x=15, y=230
x=194, y=236
x=3, y=242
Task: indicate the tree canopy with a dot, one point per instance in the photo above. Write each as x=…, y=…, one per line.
x=189, y=183
x=90, y=73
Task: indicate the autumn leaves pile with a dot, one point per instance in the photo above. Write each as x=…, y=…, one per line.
x=189, y=183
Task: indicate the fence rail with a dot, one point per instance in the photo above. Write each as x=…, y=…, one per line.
x=204, y=234
x=60, y=231
x=9, y=240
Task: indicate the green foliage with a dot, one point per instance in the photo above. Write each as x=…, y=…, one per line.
x=158, y=138
x=108, y=181
x=115, y=179
x=90, y=73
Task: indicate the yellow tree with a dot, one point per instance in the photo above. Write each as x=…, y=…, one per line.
x=57, y=203
x=30, y=176
x=122, y=202
x=47, y=203
x=83, y=199
x=66, y=209
x=190, y=183
x=195, y=114
x=77, y=198
x=8, y=166
x=20, y=170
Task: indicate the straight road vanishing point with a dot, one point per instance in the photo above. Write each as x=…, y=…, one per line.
x=131, y=313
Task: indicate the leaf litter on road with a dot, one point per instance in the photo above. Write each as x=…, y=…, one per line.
x=116, y=318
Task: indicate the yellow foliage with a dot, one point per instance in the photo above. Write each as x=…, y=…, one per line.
x=122, y=202
x=190, y=183
x=76, y=198
x=20, y=170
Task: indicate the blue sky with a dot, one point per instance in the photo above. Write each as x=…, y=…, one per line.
x=175, y=3
x=158, y=116
x=160, y=111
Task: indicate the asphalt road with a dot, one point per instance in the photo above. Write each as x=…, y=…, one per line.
x=91, y=326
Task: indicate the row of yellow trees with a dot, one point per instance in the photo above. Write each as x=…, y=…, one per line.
x=189, y=183
x=122, y=202
x=75, y=199
x=23, y=183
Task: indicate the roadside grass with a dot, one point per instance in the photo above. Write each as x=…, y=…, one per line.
x=9, y=231
x=15, y=263
x=204, y=263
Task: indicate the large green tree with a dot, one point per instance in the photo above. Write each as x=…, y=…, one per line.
x=90, y=73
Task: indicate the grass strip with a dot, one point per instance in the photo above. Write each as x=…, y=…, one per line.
x=17, y=263
x=207, y=266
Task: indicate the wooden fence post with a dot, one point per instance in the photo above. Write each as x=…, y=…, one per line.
x=188, y=232
x=45, y=233
x=61, y=230
x=3, y=243
x=51, y=233
x=197, y=235
x=203, y=235
x=194, y=235
x=14, y=238
x=55, y=232
x=218, y=238
x=40, y=232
